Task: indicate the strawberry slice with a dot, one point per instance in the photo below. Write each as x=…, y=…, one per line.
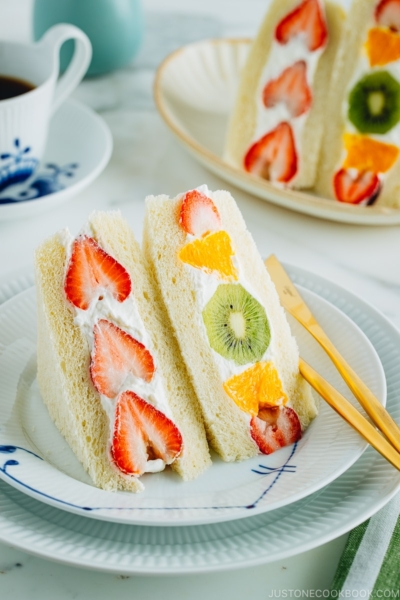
x=353, y=189
x=387, y=14
x=91, y=271
x=142, y=433
x=198, y=214
x=290, y=88
x=274, y=428
x=115, y=355
x=306, y=20
x=274, y=156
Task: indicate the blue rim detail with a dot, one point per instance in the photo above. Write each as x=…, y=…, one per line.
x=285, y=468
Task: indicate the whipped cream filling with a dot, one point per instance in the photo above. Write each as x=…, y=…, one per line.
x=205, y=286
x=126, y=316
x=281, y=57
x=362, y=69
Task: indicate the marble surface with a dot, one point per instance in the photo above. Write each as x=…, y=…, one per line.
x=147, y=159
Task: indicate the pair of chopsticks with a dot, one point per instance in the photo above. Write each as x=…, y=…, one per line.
x=295, y=305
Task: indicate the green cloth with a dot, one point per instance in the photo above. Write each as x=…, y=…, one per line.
x=346, y=560
x=370, y=564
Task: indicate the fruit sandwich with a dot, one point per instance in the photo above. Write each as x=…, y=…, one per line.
x=231, y=328
x=277, y=123
x=109, y=368
x=359, y=161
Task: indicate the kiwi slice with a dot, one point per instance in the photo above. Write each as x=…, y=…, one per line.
x=236, y=324
x=374, y=103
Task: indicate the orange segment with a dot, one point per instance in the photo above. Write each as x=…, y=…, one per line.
x=212, y=253
x=383, y=46
x=256, y=387
x=367, y=154
x=271, y=389
x=244, y=389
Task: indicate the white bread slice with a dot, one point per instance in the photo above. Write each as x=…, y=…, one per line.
x=359, y=20
x=227, y=426
x=243, y=121
x=63, y=360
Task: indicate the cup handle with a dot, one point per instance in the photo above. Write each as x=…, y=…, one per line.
x=54, y=38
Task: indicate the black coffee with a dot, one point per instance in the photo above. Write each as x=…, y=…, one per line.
x=11, y=87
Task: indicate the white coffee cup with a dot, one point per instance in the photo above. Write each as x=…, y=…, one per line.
x=24, y=119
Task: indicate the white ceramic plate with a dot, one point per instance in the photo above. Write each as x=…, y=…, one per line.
x=355, y=496
x=35, y=459
x=194, y=91
x=78, y=148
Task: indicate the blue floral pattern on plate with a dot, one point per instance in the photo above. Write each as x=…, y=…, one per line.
x=17, y=166
x=45, y=183
x=20, y=184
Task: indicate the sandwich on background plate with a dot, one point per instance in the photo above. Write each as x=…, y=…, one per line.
x=359, y=162
x=277, y=123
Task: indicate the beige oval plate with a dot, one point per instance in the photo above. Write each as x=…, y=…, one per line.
x=194, y=93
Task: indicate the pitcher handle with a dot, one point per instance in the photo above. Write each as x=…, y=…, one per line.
x=54, y=38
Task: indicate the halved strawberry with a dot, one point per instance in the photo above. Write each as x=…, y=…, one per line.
x=91, y=271
x=198, y=214
x=141, y=433
x=115, y=354
x=387, y=14
x=307, y=20
x=274, y=156
x=275, y=428
x=353, y=189
x=290, y=88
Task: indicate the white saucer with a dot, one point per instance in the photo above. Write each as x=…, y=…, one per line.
x=78, y=148
x=352, y=498
x=194, y=91
x=36, y=460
